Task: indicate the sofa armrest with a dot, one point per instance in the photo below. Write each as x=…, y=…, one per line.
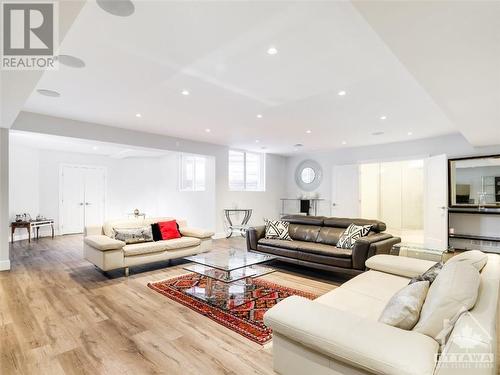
x=254, y=234
x=358, y=342
x=401, y=266
x=367, y=246
x=196, y=232
x=103, y=243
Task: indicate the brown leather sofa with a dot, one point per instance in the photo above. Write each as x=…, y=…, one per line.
x=314, y=239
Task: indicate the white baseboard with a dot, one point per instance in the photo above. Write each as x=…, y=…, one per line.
x=4, y=265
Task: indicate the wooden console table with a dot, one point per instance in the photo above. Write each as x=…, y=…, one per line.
x=31, y=225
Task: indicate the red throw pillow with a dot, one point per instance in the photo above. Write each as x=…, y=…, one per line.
x=169, y=230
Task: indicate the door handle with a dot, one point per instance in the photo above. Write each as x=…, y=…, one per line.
x=81, y=203
x=87, y=203
x=334, y=204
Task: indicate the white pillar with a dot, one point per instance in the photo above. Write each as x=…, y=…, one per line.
x=4, y=200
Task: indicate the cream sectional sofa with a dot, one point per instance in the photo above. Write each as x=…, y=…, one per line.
x=101, y=249
x=338, y=333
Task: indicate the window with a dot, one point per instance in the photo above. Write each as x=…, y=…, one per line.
x=192, y=173
x=246, y=171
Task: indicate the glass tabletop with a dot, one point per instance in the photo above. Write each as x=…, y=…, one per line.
x=229, y=260
x=227, y=276
x=421, y=247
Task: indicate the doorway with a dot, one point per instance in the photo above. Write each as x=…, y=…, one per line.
x=82, y=197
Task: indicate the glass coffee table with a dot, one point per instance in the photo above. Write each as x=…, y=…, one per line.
x=226, y=277
x=420, y=251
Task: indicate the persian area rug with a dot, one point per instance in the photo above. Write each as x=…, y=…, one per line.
x=246, y=318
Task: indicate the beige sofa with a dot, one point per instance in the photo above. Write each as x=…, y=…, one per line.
x=101, y=249
x=338, y=333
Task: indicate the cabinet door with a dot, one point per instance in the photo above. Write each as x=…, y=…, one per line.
x=95, y=187
x=72, y=200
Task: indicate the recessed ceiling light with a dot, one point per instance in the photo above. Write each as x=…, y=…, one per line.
x=121, y=8
x=71, y=61
x=207, y=130
x=259, y=116
x=342, y=93
x=272, y=51
x=51, y=93
x=344, y=142
x=95, y=148
x=410, y=133
x=257, y=141
x=383, y=117
x=308, y=131
x=185, y=92
x=138, y=115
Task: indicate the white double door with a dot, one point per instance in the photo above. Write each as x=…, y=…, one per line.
x=83, y=192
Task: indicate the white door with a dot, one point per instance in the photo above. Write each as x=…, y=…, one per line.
x=72, y=200
x=345, y=191
x=94, y=196
x=82, y=197
x=436, y=202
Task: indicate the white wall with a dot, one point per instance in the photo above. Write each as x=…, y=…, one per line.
x=149, y=184
x=451, y=145
x=4, y=200
x=264, y=204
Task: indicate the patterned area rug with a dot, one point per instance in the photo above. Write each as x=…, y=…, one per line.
x=245, y=319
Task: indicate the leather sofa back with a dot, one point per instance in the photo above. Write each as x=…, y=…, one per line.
x=306, y=220
x=300, y=232
x=330, y=235
x=341, y=222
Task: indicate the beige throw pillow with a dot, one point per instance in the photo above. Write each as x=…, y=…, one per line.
x=475, y=257
x=454, y=289
x=403, y=309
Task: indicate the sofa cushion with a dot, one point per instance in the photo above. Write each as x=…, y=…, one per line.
x=154, y=247
x=155, y=229
x=474, y=257
x=455, y=289
x=280, y=251
x=108, y=226
x=293, y=245
x=403, y=309
x=133, y=235
x=351, y=234
x=329, y=235
x=322, y=249
x=300, y=232
x=277, y=229
x=366, y=295
x=169, y=230
x=103, y=243
x=340, y=222
x=196, y=232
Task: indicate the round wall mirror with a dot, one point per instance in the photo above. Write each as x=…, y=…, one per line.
x=308, y=175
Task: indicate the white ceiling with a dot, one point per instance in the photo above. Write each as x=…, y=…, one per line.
x=81, y=146
x=453, y=50
x=217, y=51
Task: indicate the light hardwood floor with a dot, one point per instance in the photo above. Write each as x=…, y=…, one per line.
x=60, y=315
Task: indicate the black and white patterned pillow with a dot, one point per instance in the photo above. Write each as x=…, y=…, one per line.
x=277, y=230
x=351, y=234
x=429, y=275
